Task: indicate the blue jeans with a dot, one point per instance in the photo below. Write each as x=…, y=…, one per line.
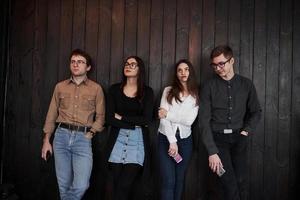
x=172, y=173
x=73, y=163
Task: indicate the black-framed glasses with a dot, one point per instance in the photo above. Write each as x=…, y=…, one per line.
x=132, y=65
x=78, y=62
x=220, y=64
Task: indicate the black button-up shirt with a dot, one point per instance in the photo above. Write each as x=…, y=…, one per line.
x=229, y=104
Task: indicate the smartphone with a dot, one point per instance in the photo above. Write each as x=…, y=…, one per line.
x=221, y=171
x=48, y=156
x=177, y=158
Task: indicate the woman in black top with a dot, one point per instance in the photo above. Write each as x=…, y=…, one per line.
x=129, y=111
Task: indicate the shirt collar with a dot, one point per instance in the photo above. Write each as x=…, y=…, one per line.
x=85, y=81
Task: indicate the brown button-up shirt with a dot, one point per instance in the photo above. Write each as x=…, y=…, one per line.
x=81, y=105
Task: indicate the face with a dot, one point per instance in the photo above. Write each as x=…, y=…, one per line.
x=78, y=66
x=131, y=68
x=183, y=72
x=222, y=66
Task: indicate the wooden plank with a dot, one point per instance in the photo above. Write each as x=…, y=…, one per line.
x=271, y=107
x=234, y=31
x=221, y=23
x=156, y=46
x=246, y=46
x=208, y=35
x=104, y=43
x=169, y=45
x=65, y=39
x=130, y=30
x=257, y=138
x=79, y=14
x=39, y=61
x=182, y=29
x=195, y=35
x=91, y=35
x=117, y=39
x=143, y=33
x=285, y=85
x=48, y=182
x=294, y=137
x=195, y=178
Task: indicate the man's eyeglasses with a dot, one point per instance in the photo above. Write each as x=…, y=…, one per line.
x=132, y=65
x=78, y=62
x=220, y=64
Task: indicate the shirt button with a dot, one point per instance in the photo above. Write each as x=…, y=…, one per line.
x=229, y=86
x=126, y=144
x=124, y=150
x=230, y=108
x=230, y=97
x=229, y=118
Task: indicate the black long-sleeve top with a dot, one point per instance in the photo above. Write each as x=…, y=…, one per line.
x=229, y=104
x=133, y=111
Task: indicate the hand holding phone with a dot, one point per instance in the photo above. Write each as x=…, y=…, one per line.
x=221, y=171
x=177, y=158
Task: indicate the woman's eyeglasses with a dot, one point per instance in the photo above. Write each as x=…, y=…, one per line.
x=132, y=65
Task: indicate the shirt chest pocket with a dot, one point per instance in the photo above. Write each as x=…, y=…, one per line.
x=64, y=100
x=88, y=102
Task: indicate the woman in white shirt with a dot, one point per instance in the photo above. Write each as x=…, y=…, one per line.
x=178, y=110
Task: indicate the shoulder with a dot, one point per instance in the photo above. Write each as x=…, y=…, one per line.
x=94, y=84
x=62, y=84
x=115, y=87
x=148, y=90
x=245, y=81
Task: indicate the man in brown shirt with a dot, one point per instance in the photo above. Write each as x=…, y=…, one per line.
x=77, y=108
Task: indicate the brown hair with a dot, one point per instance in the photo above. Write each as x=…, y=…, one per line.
x=221, y=49
x=80, y=52
x=177, y=86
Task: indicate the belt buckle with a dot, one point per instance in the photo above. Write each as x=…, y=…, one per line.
x=227, y=131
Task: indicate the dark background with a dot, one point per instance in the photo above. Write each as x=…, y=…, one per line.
x=38, y=35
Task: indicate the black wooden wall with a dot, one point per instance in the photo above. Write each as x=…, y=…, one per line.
x=264, y=34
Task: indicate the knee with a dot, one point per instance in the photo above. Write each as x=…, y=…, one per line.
x=168, y=182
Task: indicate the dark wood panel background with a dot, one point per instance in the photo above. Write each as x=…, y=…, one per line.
x=264, y=34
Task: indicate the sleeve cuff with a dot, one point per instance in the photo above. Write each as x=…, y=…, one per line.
x=172, y=139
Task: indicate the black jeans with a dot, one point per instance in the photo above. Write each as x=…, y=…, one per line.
x=233, y=154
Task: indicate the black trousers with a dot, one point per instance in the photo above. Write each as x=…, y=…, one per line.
x=233, y=154
x=124, y=176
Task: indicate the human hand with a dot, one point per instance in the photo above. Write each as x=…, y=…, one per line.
x=47, y=147
x=173, y=149
x=245, y=133
x=162, y=113
x=117, y=116
x=214, y=162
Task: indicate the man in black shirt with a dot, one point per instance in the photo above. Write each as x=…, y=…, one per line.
x=229, y=111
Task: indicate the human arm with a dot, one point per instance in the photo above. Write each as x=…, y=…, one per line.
x=253, y=113
x=147, y=113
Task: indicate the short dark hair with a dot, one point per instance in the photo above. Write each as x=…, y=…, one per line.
x=80, y=52
x=221, y=49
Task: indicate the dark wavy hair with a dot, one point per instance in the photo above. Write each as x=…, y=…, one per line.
x=177, y=87
x=140, y=78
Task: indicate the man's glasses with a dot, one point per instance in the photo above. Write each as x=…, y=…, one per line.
x=220, y=64
x=132, y=65
x=78, y=62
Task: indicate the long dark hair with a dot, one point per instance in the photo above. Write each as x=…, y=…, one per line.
x=177, y=87
x=140, y=78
